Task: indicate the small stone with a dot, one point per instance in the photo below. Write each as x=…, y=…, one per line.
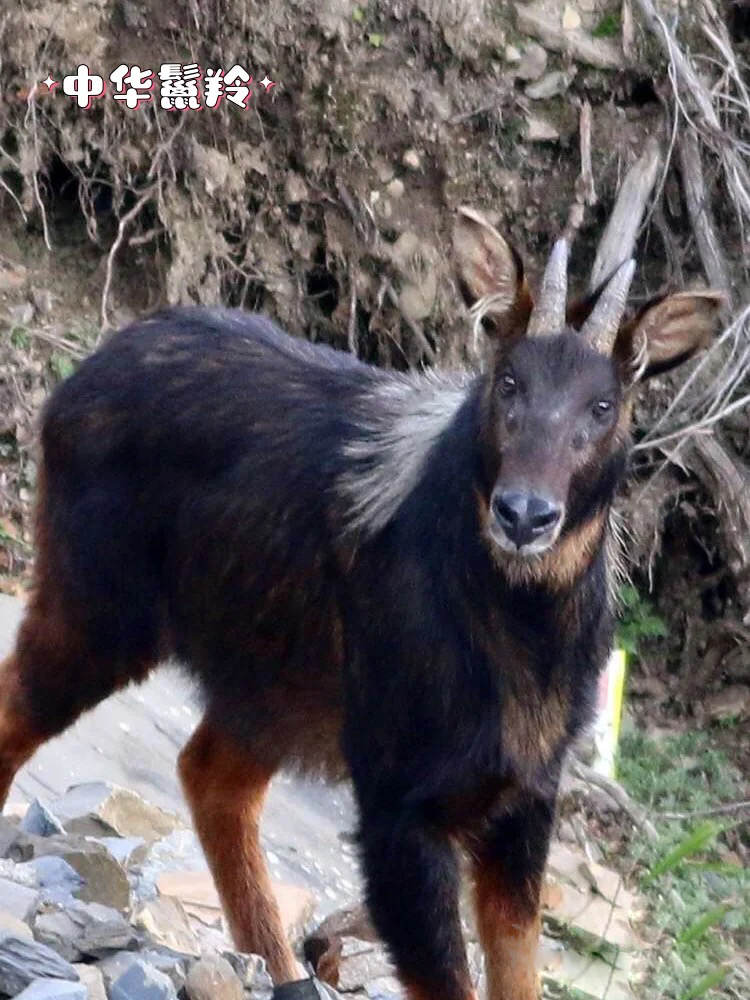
x=84, y=930
x=213, y=979
x=100, y=809
x=57, y=880
x=40, y=821
x=171, y=963
x=21, y=962
x=142, y=982
x=165, y=921
x=54, y=989
x=295, y=189
x=22, y=314
x=512, y=54
x=395, y=188
x=93, y=980
x=534, y=19
x=105, y=880
x=540, y=130
x=42, y=299
x=12, y=925
x=411, y=159
x=362, y=962
x=15, y=845
x=113, y=966
x=127, y=851
x=383, y=169
x=533, y=62
x=253, y=973
x=571, y=20
x=16, y=900
x=550, y=85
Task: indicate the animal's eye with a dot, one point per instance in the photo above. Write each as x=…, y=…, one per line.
x=602, y=408
x=508, y=384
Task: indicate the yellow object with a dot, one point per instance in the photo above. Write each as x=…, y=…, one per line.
x=609, y=713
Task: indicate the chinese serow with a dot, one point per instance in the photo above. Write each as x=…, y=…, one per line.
x=397, y=578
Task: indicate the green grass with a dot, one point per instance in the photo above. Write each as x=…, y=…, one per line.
x=699, y=900
x=608, y=27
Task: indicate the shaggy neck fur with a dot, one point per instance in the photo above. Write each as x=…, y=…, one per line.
x=399, y=421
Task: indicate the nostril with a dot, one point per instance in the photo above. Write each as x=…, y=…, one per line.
x=543, y=515
x=508, y=508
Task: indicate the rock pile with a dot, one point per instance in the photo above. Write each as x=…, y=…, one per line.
x=95, y=902
x=103, y=896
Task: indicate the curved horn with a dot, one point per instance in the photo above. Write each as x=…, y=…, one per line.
x=600, y=329
x=549, y=312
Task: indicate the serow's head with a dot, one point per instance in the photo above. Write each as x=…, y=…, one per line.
x=556, y=414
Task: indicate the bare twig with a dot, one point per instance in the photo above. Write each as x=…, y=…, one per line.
x=61, y=343
x=728, y=809
x=30, y=120
x=585, y=190
x=125, y=220
x=637, y=814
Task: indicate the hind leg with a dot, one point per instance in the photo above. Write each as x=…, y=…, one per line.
x=50, y=679
x=225, y=788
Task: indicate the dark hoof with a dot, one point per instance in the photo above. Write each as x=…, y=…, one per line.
x=304, y=989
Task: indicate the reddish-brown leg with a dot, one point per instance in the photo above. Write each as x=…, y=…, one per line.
x=50, y=679
x=226, y=789
x=18, y=736
x=508, y=872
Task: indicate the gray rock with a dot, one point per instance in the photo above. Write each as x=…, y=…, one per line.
x=213, y=978
x=15, y=845
x=54, y=989
x=12, y=925
x=551, y=84
x=252, y=971
x=16, y=900
x=99, y=809
x=362, y=962
x=173, y=965
x=126, y=851
x=85, y=930
x=57, y=880
x=533, y=62
x=41, y=821
x=165, y=921
x=21, y=962
x=93, y=980
x=539, y=129
x=142, y=982
x=105, y=880
x=534, y=19
x=113, y=966
x=22, y=314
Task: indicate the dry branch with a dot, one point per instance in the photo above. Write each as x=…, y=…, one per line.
x=729, y=481
x=701, y=216
x=636, y=813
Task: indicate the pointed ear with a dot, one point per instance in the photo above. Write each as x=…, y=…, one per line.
x=668, y=331
x=490, y=274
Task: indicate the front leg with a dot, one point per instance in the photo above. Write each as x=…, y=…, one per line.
x=508, y=870
x=412, y=878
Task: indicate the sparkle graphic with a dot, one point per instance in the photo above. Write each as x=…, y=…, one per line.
x=265, y=82
x=49, y=83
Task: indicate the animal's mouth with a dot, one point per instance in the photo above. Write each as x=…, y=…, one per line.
x=528, y=550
